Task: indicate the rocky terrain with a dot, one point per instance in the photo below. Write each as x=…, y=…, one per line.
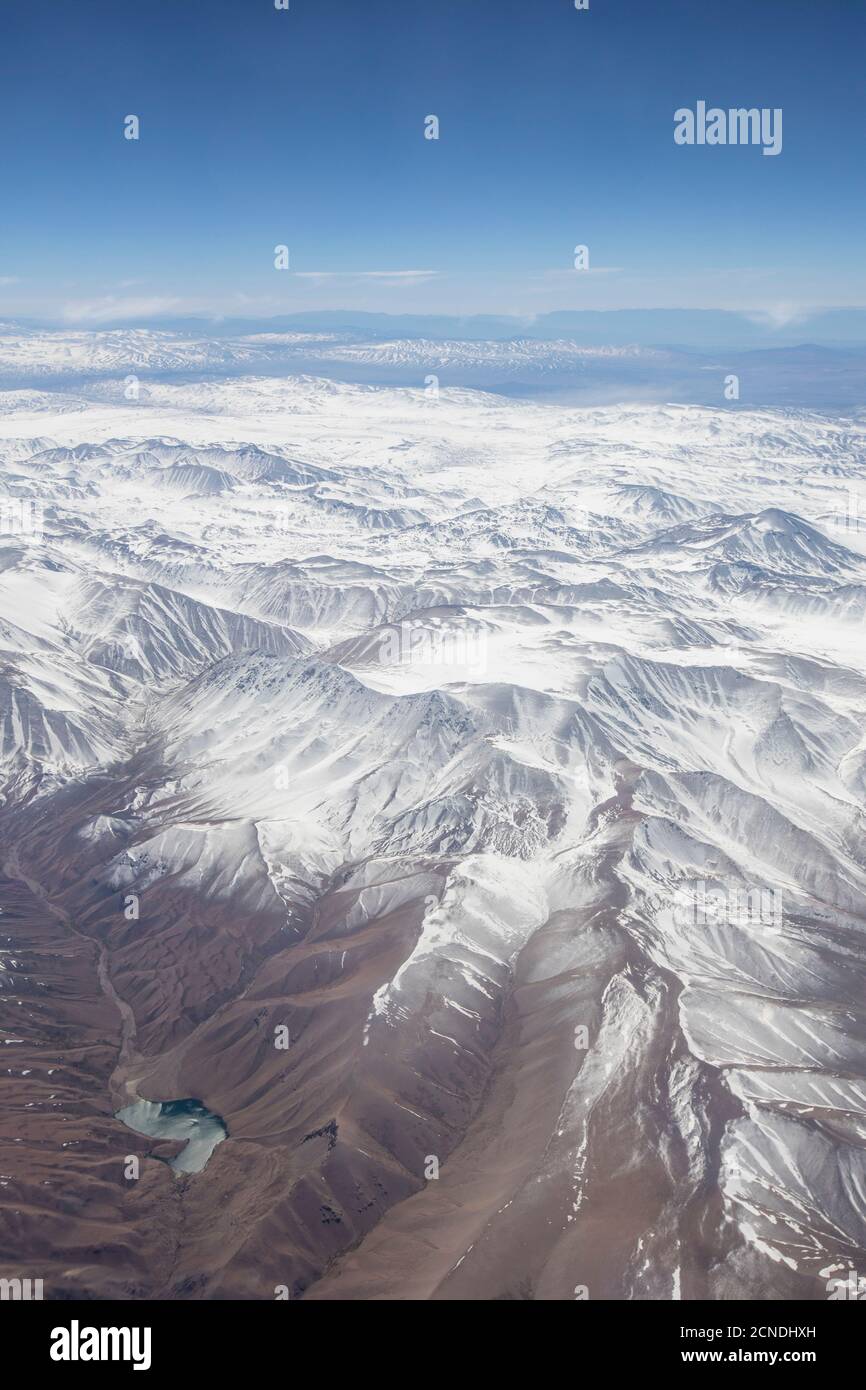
x=462, y=799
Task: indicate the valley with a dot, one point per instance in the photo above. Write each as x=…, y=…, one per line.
x=383, y=777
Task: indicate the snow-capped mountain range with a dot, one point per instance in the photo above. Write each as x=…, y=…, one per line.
x=370, y=756
x=117, y=364
x=51, y=354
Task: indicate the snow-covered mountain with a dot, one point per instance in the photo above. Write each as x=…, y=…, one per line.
x=115, y=353
x=125, y=364
x=461, y=797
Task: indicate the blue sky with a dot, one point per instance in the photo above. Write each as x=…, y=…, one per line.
x=306, y=128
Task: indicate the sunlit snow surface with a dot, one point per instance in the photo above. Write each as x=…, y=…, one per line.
x=547, y=673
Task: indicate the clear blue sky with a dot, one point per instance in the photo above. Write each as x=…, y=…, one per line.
x=306, y=127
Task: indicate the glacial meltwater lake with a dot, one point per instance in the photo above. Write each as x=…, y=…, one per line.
x=178, y=1119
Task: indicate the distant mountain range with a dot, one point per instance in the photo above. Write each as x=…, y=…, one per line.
x=572, y=365
x=677, y=328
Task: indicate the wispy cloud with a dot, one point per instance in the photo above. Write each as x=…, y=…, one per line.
x=110, y=307
x=10, y=279
x=396, y=277
x=779, y=315
x=570, y=275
